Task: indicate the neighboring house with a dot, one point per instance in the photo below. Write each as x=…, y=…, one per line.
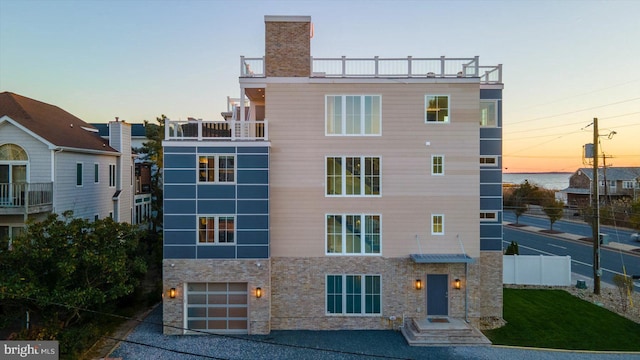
x=142, y=173
x=372, y=195
x=614, y=183
x=52, y=161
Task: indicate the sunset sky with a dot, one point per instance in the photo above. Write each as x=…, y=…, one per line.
x=564, y=62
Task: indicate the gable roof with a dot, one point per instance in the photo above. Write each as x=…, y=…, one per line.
x=614, y=173
x=51, y=123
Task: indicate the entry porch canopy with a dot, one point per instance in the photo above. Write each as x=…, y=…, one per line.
x=442, y=259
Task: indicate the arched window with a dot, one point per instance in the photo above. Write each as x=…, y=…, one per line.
x=12, y=152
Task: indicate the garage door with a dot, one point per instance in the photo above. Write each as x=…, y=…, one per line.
x=217, y=307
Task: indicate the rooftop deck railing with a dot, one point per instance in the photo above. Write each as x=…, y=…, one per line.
x=216, y=130
x=378, y=67
x=19, y=195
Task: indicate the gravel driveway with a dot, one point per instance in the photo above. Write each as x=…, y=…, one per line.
x=147, y=342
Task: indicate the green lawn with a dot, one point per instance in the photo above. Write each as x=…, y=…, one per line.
x=556, y=319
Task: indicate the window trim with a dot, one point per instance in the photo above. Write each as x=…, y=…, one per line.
x=79, y=174
x=112, y=176
x=343, y=176
x=363, y=295
x=216, y=230
x=216, y=169
x=484, y=218
x=343, y=123
x=433, y=224
x=426, y=107
x=433, y=165
x=363, y=236
x=495, y=119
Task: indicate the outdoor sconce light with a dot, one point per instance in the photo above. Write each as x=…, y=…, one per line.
x=258, y=292
x=172, y=293
x=457, y=284
x=418, y=284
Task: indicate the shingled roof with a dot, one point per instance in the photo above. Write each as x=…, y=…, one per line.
x=51, y=123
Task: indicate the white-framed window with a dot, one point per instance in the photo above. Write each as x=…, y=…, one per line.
x=217, y=169
x=437, y=224
x=489, y=216
x=78, y=174
x=353, y=115
x=436, y=109
x=216, y=229
x=488, y=113
x=7, y=234
x=353, y=295
x=96, y=173
x=630, y=184
x=437, y=164
x=489, y=161
x=112, y=175
x=353, y=234
x=352, y=176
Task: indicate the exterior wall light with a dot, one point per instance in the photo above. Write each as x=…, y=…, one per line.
x=457, y=284
x=418, y=284
x=172, y=293
x=258, y=292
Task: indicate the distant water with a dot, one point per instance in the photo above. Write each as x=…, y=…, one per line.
x=551, y=181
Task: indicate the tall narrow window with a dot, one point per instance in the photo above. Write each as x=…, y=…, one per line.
x=353, y=176
x=353, y=115
x=112, y=175
x=437, y=108
x=437, y=164
x=79, y=174
x=437, y=224
x=96, y=173
x=488, y=113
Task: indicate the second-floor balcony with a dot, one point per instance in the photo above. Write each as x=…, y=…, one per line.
x=377, y=67
x=216, y=130
x=30, y=198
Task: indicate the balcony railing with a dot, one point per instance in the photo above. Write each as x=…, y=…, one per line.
x=19, y=195
x=216, y=130
x=376, y=67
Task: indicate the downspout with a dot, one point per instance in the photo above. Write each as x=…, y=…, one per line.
x=466, y=292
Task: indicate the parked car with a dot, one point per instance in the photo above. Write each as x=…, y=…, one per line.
x=635, y=237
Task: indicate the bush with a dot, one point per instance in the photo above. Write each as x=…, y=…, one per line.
x=512, y=249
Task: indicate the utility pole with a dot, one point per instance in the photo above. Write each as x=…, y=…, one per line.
x=597, y=272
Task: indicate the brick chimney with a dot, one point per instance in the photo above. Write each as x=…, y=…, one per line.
x=287, y=46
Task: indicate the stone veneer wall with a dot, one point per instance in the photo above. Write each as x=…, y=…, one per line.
x=177, y=272
x=490, y=291
x=287, y=48
x=298, y=291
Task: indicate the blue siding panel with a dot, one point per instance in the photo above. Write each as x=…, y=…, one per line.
x=253, y=207
x=179, y=176
x=179, y=161
x=216, y=207
x=490, y=189
x=253, y=176
x=177, y=149
x=253, y=150
x=490, y=176
x=490, y=94
x=209, y=150
x=490, y=244
x=253, y=237
x=491, y=204
x=490, y=133
x=179, y=252
x=253, y=252
x=253, y=192
x=216, y=252
x=216, y=191
x=179, y=192
x=488, y=230
x=253, y=161
x=187, y=222
x=490, y=147
x=253, y=222
x=179, y=206
x=184, y=237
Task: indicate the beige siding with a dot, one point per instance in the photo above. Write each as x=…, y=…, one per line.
x=409, y=193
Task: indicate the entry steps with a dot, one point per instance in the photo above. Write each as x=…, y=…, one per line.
x=442, y=332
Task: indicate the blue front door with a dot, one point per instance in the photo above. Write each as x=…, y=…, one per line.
x=437, y=295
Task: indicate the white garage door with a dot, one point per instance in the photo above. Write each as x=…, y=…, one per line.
x=217, y=307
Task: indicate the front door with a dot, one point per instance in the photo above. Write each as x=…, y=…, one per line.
x=437, y=295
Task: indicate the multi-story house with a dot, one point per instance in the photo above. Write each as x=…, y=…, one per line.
x=614, y=183
x=370, y=199
x=52, y=161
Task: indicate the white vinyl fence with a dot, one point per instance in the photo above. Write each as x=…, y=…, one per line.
x=536, y=270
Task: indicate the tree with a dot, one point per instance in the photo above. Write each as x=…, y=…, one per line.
x=152, y=151
x=64, y=264
x=512, y=249
x=554, y=210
